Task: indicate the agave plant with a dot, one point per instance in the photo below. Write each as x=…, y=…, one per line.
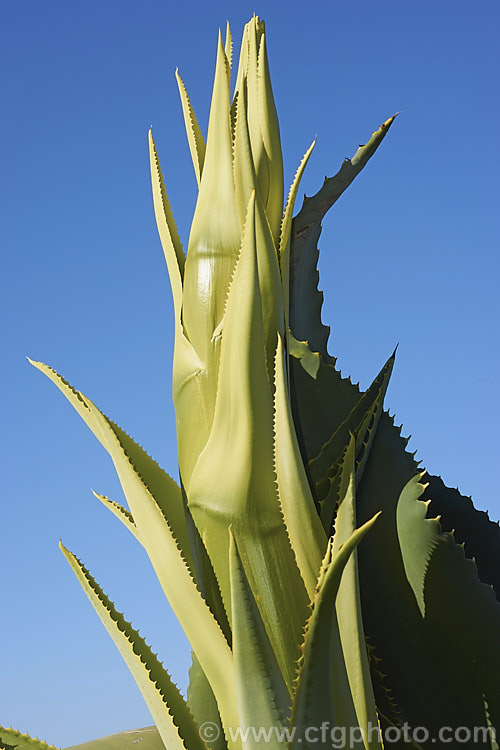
x=285, y=468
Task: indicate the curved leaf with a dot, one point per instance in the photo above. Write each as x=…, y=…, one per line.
x=460, y=612
x=305, y=298
x=124, y=515
x=126, y=453
x=400, y=639
x=168, y=708
x=160, y=525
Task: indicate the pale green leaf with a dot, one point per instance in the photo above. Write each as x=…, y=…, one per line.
x=215, y=236
x=309, y=360
x=203, y=706
x=416, y=548
x=285, y=230
x=194, y=135
x=170, y=713
x=233, y=482
x=160, y=524
x=261, y=694
x=271, y=142
x=267, y=261
x=228, y=45
x=303, y=524
x=253, y=73
x=348, y=605
x=124, y=515
x=172, y=248
x=323, y=662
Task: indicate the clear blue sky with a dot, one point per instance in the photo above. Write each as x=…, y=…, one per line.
x=410, y=255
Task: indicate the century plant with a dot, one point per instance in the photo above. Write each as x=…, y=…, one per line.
x=285, y=468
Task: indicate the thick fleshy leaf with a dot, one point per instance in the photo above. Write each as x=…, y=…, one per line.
x=403, y=642
x=306, y=533
x=253, y=74
x=12, y=739
x=471, y=527
x=124, y=515
x=203, y=705
x=323, y=662
x=325, y=469
x=193, y=132
x=309, y=360
x=233, y=482
x=156, y=504
x=305, y=298
x=285, y=232
x=193, y=391
x=271, y=142
x=418, y=537
x=228, y=46
x=172, y=248
x=206, y=578
x=245, y=176
x=129, y=459
x=213, y=248
x=267, y=259
x=362, y=416
x=168, y=708
x=262, y=697
x=215, y=236
x=348, y=606
x=460, y=613
x=400, y=641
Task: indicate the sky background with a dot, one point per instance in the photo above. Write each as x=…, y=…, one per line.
x=409, y=255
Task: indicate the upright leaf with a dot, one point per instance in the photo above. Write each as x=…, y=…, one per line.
x=172, y=248
x=305, y=298
x=194, y=135
x=323, y=661
x=203, y=705
x=233, y=482
x=307, y=536
x=261, y=694
x=286, y=227
x=348, y=606
x=215, y=236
